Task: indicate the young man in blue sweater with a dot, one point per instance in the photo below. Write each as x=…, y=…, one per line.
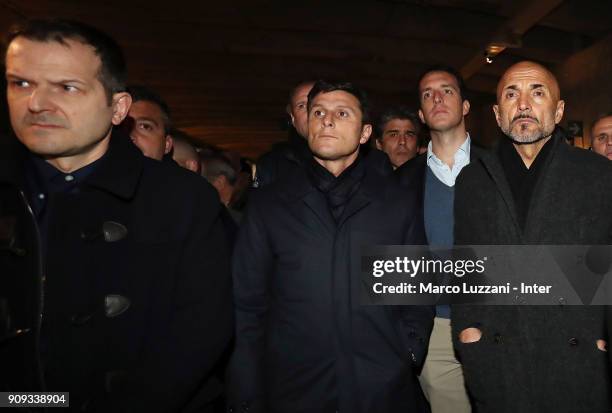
x=443, y=107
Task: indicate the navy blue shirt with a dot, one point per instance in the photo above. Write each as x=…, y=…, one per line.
x=43, y=180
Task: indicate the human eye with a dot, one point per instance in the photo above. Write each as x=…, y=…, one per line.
x=392, y=134
x=19, y=83
x=510, y=94
x=301, y=106
x=426, y=95
x=146, y=126
x=448, y=91
x=318, y=113
x=70, y=88
x=538, y=93
x=343, y=114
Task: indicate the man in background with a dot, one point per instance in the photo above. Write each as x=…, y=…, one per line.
x=397, y=134
x=288, y=155
x=601, y=136
x=149, y=123
x=183, y=152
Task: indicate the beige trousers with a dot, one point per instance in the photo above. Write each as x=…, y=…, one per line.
x=442, y=375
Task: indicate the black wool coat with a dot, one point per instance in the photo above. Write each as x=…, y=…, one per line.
x=281, y=160
x=536, y=358
x=133, y=295
x=304, y=343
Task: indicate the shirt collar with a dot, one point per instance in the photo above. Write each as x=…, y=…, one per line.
x=51, y=179
x=462, y=153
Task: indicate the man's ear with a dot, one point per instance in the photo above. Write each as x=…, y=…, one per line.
x=559, y=111
x=366, y=132
x=466, y=107
x=497, y=117
x=421, y=116
x=378, y=144
x=121, y=106
x=168, y=144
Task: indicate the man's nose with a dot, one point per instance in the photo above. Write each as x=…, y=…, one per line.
x=438, y=97
x=524, y=103
x=328, y=120
x=40, y=100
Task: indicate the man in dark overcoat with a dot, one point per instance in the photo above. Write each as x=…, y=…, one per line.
x=533, y=188
x=288, y=155
x=114, y=270
x=304, y=342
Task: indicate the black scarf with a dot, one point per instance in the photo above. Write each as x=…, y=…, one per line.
x=523, y=180
x=337, y=190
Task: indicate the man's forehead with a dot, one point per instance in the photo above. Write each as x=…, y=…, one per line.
x=529, y=74
x=145, y=108
x=336, y=98
x=21, y=44
x=71, y=55
x=397, y=123
x=438, y=78
x=603, y=123
x=301, y=91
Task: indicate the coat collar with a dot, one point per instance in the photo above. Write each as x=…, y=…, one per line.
x=121, y=168
x=118, y=173
x=419, y=163
x=493, y=166
x=297, y=187
x=12, y=156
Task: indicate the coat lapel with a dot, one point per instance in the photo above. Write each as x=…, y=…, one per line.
x=360, y=199
x=121, y=168
x=538, y=205
x=12, y=158
x=314, y=201
x=318, y=206
x=494, y=169
x=297, y=190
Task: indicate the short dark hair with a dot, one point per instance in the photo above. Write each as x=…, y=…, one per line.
x=113, y=69
x=396, y=112
x=598, y=118
x=446, y=69
x=143, y=93
x=322, y=86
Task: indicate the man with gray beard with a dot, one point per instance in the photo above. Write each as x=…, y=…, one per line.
x=527, y=191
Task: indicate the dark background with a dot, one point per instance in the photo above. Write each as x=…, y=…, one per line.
x=226, y=67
